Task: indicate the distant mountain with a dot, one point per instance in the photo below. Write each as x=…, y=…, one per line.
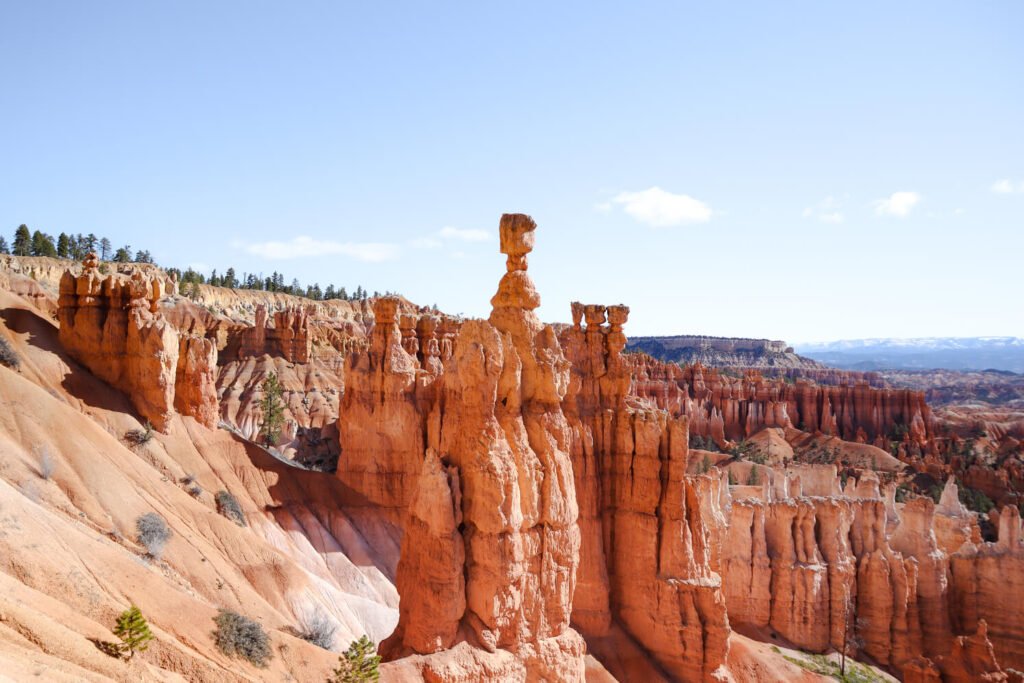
x=953, y=353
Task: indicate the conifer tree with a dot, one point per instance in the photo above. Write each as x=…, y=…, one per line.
x=133, y=631
x=4, y=249
x=22, y=241
x=273, y=410
x=63, y=246
x=105, y=249
x=359, y=663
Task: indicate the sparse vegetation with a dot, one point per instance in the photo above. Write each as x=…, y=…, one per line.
x=240, y=636
x=7, y=355
x=140, y=437
x=975, y=500
x=755, y=476
x=732, y=479
x=133, y=631
x=47, y=463
x=318, y=628
x=359, y=663
x=272, y=408
x=705, y=465
x=823, y=666
x=153, y=534
x=228, y=506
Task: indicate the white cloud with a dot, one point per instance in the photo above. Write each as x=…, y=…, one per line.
x=425, y=243
x=897, y=204
x=467, y=235
x=1006, y=186
x=825, y=211
x=303, y=246
x=662, y=209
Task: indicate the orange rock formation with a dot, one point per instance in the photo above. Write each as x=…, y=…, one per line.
x=112, y=325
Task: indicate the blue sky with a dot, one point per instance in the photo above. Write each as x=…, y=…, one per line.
x=805, y=171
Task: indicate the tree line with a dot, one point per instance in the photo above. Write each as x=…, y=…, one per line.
x=274, y=282
x=75, y=247
x=39, y=243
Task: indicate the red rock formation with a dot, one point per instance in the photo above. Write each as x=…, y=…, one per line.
x=289, y=337
x=646, y=550
x=112, y=325
x=504, y=445
x=384, y=415
x=988, y=578
x=727, y=408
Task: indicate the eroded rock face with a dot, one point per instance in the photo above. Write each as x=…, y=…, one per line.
x=988, y=579
x=494, y=483
x=727, y=408
x=111, y=324
x=289, y=337
x=388, y=407
x=646, y=548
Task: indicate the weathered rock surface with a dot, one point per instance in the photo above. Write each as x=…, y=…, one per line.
x=113, y=326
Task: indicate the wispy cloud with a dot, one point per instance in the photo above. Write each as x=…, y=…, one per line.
x=826, y=211
x=897, y=204
x=304, y=247
x=464, y=234
x=662, y=209
x=448, y=234
x=425, y=243
x=1007, y=186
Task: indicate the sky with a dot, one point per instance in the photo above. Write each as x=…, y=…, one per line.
x=803, y=171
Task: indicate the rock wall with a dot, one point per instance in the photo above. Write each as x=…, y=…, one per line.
x=112, y=325
x=988, y=580
x=728, y=408
x=288, y=338
x=646, y=551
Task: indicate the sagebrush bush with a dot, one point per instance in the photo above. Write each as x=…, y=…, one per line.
x=228, y=506
x=153, y=533
x=240, y=636
x=47, y=463
x=7, y=355
x=318, y=629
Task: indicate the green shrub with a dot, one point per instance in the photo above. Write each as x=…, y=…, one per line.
x=359, y=663
x=133, y=631
x=239, y=636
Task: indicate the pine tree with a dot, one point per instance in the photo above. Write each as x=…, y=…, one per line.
x=63, y=246
x=133, y=631
x=124, y=254
x=42, y=244
x=22, y=241
x=230, y=281
x=359, y=663
x=755, y=477
x=4, y=249
x=273, y=410
x=105, y=249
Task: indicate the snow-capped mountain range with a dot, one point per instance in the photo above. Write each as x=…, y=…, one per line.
x=955, y=353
